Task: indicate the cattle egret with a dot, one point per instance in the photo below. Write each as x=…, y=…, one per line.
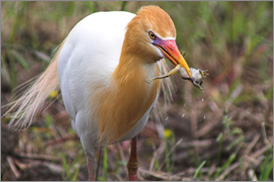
x=108, y=74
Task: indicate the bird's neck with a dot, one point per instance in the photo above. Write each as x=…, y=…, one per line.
x=127, y=98
x=134, y=69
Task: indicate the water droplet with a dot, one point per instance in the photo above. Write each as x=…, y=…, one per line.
x=183, y=115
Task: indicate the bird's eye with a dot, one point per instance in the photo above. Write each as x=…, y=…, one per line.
x=151, y=35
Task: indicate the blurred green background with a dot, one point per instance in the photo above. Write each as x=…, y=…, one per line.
x=233, y=114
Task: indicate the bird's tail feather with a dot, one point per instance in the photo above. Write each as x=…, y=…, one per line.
x=31, y=102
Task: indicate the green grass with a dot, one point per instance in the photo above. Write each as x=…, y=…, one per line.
x=105, y=165
x=170, y=141
x=232, y=40
x=225, y=165
x=70, y=171
x=198, y=170
x=266, y=168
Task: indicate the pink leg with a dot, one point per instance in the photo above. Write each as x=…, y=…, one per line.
x=132, y=164
x=91, y=171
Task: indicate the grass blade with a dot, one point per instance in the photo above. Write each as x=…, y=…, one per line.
x=198, y=170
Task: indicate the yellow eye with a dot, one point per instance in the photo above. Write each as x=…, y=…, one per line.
x=151, y=35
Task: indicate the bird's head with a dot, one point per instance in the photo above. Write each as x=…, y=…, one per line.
x=152, y=34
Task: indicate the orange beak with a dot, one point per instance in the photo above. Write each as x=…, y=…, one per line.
x=171, y=52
